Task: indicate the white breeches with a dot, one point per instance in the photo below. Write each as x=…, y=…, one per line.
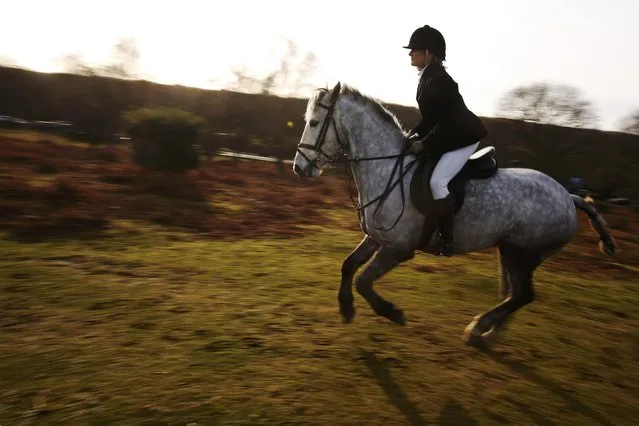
x=448, y=166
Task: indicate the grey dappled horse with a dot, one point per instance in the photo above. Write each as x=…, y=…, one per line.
x=525, y=213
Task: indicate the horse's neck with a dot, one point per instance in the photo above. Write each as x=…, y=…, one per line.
x=371, y=136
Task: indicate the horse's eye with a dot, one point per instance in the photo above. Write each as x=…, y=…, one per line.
x=313, y=122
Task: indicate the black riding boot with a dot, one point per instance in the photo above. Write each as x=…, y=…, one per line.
x=445, y=214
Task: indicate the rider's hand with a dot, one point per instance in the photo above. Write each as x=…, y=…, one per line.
x=416, y=146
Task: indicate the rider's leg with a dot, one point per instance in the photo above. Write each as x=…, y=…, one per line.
x=446, y=169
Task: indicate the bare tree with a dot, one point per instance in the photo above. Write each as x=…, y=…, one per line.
x=630, y=124
x=289, y=78
x=245, y=82
x=546, y=103
x=305, y=69
x=124, y=63
x=125, y=60
x=75, y=64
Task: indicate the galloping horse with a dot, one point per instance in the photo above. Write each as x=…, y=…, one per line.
x=526, y=214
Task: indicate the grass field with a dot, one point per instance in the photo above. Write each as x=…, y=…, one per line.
x=128, y=297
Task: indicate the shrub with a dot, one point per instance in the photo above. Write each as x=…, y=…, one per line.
x=46, y=168
x=64, y=192
x=16, y=189
x=108, y=155
x=164, y=138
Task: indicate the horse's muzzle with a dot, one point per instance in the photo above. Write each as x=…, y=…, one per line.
x=308, y=171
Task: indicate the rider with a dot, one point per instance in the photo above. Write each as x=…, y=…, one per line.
x=448, y=129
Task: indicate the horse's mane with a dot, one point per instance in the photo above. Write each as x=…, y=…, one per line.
x=348, y=90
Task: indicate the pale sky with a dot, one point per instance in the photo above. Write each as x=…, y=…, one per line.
x=493, y=45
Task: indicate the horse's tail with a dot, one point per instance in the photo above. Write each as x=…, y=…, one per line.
x=606, y=244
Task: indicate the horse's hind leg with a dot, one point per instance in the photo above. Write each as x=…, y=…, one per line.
x=357, y=258
x=385, y=260
x=505, y=288
x=505, y=291
x=517, y=266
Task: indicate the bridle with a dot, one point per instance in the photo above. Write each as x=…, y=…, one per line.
x=343, y=152
x=321, y=137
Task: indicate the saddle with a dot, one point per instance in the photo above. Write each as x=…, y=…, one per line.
x=481, y=165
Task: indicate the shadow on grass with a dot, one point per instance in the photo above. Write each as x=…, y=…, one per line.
x=394, y=393
x=526, y=372
x=452, y=413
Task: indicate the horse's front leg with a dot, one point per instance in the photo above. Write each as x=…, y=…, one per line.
x=385, y=260
x=357, y=258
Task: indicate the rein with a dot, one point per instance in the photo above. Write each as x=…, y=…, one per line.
x=390, y=186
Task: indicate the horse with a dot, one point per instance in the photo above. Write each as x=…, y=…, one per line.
x=526, y=214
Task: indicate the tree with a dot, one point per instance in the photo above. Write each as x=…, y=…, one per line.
x=630, y=124
x=124, y=63
x=125, y=59
x=290, y=78
x=561, y=105
x=75, y=64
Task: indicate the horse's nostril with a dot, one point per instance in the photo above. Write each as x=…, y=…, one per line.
x=297, y=169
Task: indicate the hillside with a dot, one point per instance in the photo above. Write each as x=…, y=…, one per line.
x=259, y=122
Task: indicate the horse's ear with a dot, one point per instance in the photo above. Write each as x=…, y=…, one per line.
x=336, y=90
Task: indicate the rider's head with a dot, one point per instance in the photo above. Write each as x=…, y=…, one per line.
x=426, y=45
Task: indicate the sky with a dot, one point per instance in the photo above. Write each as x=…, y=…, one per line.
x=492, y=45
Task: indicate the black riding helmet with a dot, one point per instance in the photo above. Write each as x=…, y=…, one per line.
x=428, y=38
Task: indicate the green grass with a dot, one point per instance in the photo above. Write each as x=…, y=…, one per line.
x=146, y=326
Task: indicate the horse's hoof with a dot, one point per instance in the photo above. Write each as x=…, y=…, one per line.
x=489, y=339
x=475, y=341
x=471, y=336
x=481, y=341
x=389, y=310
x=348, y=313
x=470, y=328
x=397, y=316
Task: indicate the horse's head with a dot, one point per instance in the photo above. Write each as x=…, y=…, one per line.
x=320, y=144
